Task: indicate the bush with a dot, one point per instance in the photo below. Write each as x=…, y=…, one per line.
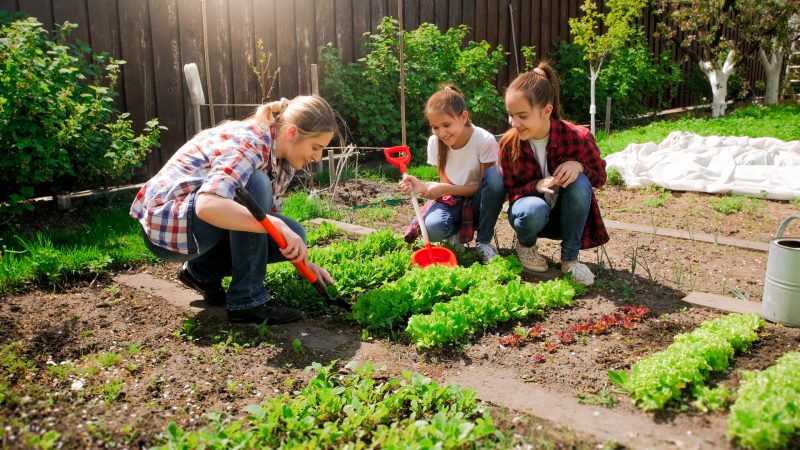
x=58, y=128
x=633, y=77
x=367, y=93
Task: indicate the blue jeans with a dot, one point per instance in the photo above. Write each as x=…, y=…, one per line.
x=242, y=255
x=530, y=217
x=442, y=220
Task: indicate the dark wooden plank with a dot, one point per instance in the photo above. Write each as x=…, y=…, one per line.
x=325, y=20
x=411, y=9
x=480, y=20
x=545, y=35
x=287, y=48
x=524, y=30
x=377, y=11
x=9, y=5
x=441, y=12
x=168, y=74
x=104, y=33
x=41, y=9
x=219, y=58
x=391, y=8
x=305, y=18
x=554, y=23
x=454, y=13
x=190, y=20
x=468, y=13
x=73, y=11
x=427, y=12
x=536, y=26
x=244, y=56
x=504, y=39
x=360, y=26
x=344, y=29
x=138, y=77
x=266, y=30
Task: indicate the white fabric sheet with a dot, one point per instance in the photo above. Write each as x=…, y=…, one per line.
x=716, y=164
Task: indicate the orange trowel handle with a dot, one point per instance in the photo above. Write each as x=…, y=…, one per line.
x=244, y=198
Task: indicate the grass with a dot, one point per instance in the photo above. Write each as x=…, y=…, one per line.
x=303, y=207
x=104, y=239
x=779, y=121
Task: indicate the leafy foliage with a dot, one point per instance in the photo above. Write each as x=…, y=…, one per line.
x=419, y=289
x=57, y=124
x=486, y=305
x=689, y=360
x=634, y=78
x=367, y=93
x=352, y=411
x=356, y=267
x=766, y=414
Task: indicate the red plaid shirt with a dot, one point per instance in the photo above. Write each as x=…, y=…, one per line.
x=567, y=142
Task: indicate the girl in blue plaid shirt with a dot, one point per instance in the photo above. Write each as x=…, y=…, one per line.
x=187, y=211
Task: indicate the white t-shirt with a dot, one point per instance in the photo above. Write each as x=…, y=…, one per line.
x=539, y=147
x=464, y=164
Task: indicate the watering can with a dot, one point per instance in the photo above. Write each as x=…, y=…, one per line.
x=781, y=300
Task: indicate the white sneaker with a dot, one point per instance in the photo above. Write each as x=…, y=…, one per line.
x=580, y=273
x=455, y=242
x=486, y=252
x=531, y=259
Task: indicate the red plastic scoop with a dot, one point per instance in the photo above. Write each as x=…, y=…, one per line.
x=399, y=156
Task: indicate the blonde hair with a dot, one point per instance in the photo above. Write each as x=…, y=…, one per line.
x=450, y=101
x=540, y=87
x=310, y=113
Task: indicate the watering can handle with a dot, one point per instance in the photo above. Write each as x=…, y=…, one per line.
x=784, y=224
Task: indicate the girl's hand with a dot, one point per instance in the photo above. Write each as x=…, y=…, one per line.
x=321, y=273
x=567, y=172
x=295, y=250
x=545, y=185
x=411, y=184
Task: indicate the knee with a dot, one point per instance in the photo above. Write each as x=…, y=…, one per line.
x=580, y=190
x=438, y=230
x=529, y=210
x=493, y=182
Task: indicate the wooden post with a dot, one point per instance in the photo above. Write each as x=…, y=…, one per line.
x=608, y=115
x=402, y=75
x=331, y=166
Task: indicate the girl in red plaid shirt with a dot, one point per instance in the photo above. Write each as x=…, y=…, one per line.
x=549, y=167
x=469, y=191
x=188, y=213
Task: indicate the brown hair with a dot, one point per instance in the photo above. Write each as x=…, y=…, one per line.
x=450, y=101
x=310, y=113
x=540, y=87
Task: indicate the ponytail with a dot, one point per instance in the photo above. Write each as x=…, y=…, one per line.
x=541, y=87
x=310, y=113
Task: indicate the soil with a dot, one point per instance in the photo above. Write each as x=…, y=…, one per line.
x=179, y=379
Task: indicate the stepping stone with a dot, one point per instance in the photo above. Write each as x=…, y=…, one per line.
x=502, y=387
x=173, y=293
x=683, y=234
x=722, y=302
x=344, y=226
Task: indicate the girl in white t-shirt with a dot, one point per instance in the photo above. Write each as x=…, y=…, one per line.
x=466, y=158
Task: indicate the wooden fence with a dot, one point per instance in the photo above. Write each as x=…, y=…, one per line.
x=157, y=37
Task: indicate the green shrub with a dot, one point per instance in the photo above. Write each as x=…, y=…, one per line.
x=632, y=77
x=367, y=93
x=58, y=128
x=614, y=178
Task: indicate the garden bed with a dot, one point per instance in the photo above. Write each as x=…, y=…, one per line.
x=112, y=364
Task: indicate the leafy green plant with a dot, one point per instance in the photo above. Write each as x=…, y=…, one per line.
x=108, y=359
x=302, y=207
x=366, y=92
x=352, y=411
x=57, y=123
x=189, y=330
x=665, y=376
x=711, y=399
x=425, y=172
x=486, y=305
x=419, y=290
x=660, y=200
x=731, y=204
x=324, y=232
x=766, y=413
x=614, y=178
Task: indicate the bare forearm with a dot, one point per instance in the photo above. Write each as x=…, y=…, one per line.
x=227, y=214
